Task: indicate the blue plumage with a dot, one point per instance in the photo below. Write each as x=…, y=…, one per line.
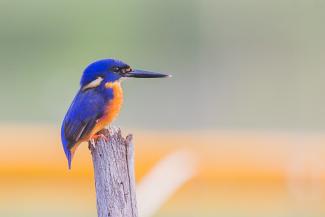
x=100, y=68
x=93, y=102
x=88, y=105
x=86, y=108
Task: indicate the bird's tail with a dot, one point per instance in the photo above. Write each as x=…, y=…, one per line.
x=67, y=152
x=69, y=157
x=66, y=145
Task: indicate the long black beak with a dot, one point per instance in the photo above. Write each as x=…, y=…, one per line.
x=144, y=74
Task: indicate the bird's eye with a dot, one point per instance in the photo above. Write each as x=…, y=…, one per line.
x=115, y=69
x=126, y=70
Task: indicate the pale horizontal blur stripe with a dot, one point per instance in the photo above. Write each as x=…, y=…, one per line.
x=256, y=172
x=35, y=150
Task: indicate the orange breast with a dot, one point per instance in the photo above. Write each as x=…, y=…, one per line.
x=113, y=107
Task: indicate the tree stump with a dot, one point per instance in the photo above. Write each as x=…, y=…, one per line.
x=113, y=162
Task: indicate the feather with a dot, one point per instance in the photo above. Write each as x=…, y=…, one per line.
x=86, y=108
x=93, y=84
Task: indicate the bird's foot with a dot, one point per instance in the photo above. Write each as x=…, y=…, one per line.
x=94, y=139
x=98, y=136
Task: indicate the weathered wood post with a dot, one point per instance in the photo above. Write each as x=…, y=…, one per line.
x=114, y=174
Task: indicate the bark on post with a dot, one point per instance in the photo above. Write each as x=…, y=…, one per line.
x=114, y=175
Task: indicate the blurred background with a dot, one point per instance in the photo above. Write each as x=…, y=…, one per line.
x=245, y=104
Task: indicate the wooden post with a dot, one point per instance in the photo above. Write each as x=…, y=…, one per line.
x=114, y=174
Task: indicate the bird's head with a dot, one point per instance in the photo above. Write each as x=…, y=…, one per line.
x=111, y=70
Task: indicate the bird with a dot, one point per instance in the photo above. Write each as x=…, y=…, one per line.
x=97, y=102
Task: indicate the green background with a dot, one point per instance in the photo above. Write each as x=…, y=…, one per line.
x=236, y=64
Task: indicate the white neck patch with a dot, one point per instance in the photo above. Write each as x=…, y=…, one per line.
x=93, y=84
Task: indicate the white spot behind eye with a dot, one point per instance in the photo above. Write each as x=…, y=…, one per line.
x=93, y=84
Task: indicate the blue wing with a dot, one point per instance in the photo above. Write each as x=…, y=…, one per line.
x=87, y=107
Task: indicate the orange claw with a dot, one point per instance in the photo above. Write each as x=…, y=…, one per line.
x=99, y=136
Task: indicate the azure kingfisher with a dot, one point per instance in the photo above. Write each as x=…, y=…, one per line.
x=97, y=102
